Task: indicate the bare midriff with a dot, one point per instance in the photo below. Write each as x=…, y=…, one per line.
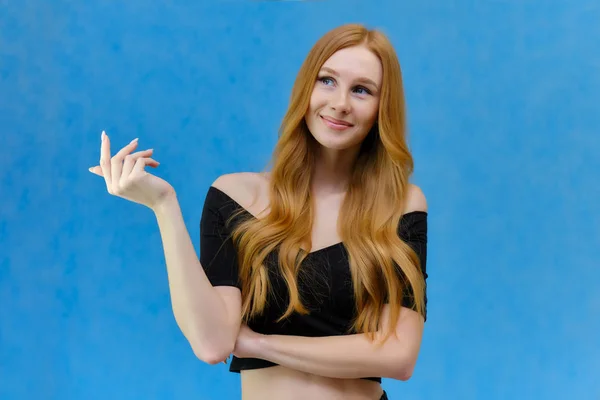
x=280, y=383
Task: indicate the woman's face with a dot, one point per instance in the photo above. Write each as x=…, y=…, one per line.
x=344, y=103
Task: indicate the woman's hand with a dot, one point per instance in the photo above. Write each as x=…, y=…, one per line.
x=126, y=177
x=247, y=344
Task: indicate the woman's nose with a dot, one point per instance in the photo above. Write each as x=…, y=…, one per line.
x=340, y=102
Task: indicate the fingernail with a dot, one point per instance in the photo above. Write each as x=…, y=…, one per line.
x=134, y=140
x=103, y=135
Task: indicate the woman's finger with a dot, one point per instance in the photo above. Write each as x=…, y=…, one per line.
x=96, y=170
x=140, y=164
x=116, y=164
x=105, y=161
x=130, y=161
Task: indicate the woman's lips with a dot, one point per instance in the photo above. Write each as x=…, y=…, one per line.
x=336, y=123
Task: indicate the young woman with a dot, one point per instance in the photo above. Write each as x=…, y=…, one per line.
x=312, y=274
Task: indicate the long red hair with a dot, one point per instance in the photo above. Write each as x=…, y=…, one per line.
x=370, y=213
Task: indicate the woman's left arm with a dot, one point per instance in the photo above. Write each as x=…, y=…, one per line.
x=347, y=356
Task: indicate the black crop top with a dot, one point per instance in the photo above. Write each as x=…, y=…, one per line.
x=330, y=299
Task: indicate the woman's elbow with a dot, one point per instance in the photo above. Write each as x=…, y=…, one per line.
x=212, y=350
x=401, y=371
x=403, y=367
x=211, y=355
x=404, y=374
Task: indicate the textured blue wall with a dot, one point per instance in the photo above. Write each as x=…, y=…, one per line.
x=503, y=100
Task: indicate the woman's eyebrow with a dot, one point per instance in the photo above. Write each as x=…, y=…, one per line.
x=361, y=79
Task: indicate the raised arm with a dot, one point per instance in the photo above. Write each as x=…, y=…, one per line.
x=208, y=316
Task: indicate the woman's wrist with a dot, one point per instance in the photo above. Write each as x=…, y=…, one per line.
x=166, y=204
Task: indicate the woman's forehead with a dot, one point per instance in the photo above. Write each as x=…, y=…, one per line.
x=355, y=62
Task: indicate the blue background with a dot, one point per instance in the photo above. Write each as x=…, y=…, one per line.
x=503, y=105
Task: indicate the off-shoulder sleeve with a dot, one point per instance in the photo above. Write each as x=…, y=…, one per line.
x=413, y=230
x=217, y=252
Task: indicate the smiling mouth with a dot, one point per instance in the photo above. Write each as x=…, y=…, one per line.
x=335, y=124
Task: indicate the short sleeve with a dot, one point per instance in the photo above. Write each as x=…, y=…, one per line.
x=413, y=231
x=217, y=252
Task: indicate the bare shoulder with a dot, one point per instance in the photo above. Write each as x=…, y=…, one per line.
x=243, y=187
x=415, y=199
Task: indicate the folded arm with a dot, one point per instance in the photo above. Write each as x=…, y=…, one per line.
x=348, y=356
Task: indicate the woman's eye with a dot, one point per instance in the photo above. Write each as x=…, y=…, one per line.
x=326, y=80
